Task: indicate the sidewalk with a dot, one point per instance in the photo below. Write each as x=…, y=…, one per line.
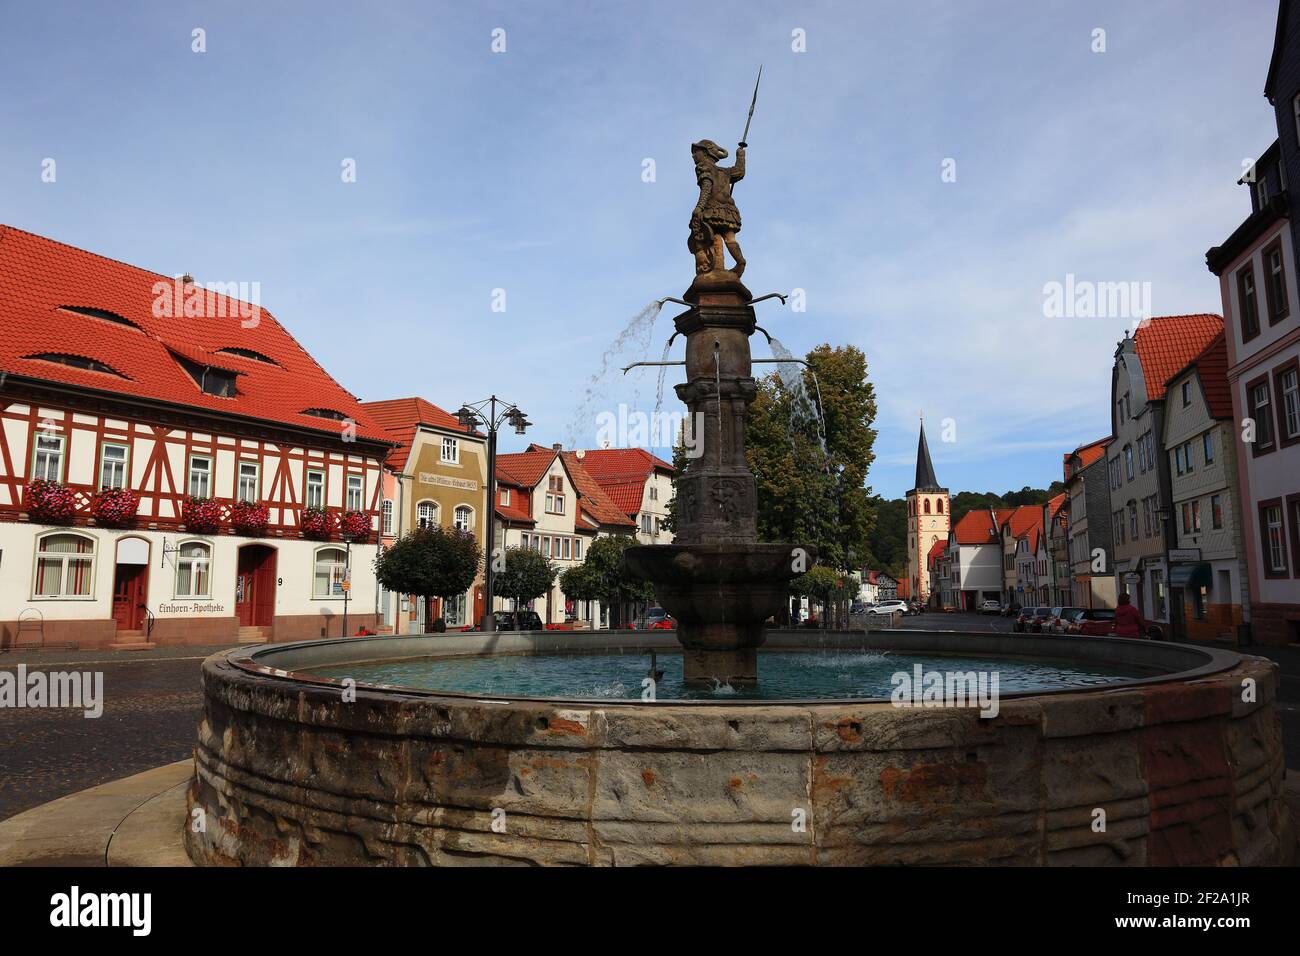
x=135, y=821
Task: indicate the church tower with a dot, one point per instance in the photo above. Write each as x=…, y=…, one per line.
x=928, y=520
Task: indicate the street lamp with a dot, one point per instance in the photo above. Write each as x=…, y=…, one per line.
x=491, y=414
x=347, y=577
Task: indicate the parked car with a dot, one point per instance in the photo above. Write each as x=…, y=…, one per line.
x=517, y=620
x=1061, y=618
x=888, y=608
x=1011, y=610
x=1093, y=622
x=1031, y=619
x=654, y=619
x=990, y=606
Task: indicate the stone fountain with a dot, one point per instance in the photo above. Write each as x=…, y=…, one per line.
x=717, y=579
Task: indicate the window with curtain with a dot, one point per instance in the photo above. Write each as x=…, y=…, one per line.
x=464, y=518
x=194, y=570
x=47, y=459
x=331, y=572
x=112, y=466
x=65, y=566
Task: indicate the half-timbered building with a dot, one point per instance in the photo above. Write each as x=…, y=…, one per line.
x=174, y=467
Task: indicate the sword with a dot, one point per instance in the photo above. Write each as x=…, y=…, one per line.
x=745, y=135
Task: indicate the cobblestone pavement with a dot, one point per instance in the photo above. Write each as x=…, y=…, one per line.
x=152, y=701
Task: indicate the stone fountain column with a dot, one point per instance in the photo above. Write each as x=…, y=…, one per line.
x=717, y=579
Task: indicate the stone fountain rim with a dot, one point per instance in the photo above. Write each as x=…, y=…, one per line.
x=252, y=661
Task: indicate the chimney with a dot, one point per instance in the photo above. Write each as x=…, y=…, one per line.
x=558, y=446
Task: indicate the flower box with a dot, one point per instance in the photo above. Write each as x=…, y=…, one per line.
x=355, y=524
x=201, y=515
x=249, y=518
x=315, y=522
x=49, y=501
x=114, y=507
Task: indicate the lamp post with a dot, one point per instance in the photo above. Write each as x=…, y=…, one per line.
x=347, y=578
x=491, y=413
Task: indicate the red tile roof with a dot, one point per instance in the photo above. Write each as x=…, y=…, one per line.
x=526, y=468
x=1024, y=519
x=936, y=551
x=1087, y=454
x=592, y=496
x=977, y=527
x=622, y=473
x=1054, y=505
x=402, y=416
x=1212, y=368
x=1166, y=343
x=40, y=279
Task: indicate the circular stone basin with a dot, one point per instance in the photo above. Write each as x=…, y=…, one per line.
x=1097, y=751
x=810, y=674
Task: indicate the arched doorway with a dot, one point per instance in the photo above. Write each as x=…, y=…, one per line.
x=130, y=583
x=255, y=586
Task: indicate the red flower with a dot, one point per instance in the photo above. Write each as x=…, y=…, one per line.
x=249, y=518
x=114, y=507
x=49, y=501
x=356, y=524
x=315, y=522
x=201, y=515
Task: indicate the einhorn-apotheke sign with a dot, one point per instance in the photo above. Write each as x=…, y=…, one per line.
x=464, y=484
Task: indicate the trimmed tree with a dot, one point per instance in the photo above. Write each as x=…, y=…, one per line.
x=527, y=575
x=430, y=562
x=601, y=576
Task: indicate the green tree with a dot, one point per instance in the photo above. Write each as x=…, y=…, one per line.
x=601, y=576
x=527, y=575
x=430, y=562
x=807, y=494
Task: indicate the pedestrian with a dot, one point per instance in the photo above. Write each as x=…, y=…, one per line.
x=1128, y=619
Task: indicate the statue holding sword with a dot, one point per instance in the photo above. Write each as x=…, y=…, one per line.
x=716, y=220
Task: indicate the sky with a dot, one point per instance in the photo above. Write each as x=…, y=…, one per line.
x=921, y=171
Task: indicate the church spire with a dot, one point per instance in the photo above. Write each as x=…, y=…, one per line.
x=925, y=478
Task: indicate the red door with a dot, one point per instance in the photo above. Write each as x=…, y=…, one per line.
x=128, y=595
x=255, y=586
x=479, y=608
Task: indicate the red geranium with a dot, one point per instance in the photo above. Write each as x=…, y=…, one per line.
x=356, y=524
x=315, y=522
x=114, y=507
x=201, y=515
x=249, y=518
x=49, y=501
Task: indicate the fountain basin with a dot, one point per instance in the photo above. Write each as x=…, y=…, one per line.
x=290, y=769
x=720, y=594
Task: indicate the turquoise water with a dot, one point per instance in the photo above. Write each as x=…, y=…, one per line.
x=782, y=675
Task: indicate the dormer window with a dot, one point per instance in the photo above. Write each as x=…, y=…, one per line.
x=248, y=354
x=76, y=361
x=1261, y=192
x=210, y=379
x=329, y=413
x=102, y=314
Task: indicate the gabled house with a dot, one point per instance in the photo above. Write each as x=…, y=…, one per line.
x=640, y=483
x=436, y=475
x=1138, y=472
x=973, y=559
x=1020, y=580
x=1091, y=550
x=174, y=467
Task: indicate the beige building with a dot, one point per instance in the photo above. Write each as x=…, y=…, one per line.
x=437, y=475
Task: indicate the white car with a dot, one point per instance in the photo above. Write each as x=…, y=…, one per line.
x=991, y=607
x=887, y=608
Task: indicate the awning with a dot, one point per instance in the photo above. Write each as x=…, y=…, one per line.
x=1197, y=575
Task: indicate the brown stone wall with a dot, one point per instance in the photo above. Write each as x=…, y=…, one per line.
x=313, y=627
x=87, y=634
x=1183, y=772
x=1275, y=624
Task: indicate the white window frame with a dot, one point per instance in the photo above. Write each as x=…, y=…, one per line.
x=360, y=492
x=125, y=463
x=257, y=481
x=456, y=516
x=86, y=557
x=434, y=513
x=451, y=445
x=181, y=559
x=1276, y=566
x=57, y=455
x=386, y=519
x=208, y=475
x=1290, y=399
x=308, y=487
x=338, y=573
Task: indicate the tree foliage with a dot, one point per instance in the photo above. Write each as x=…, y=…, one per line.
x=807, y=495
x=527, y=575
x=431, y=562
x=601, y=577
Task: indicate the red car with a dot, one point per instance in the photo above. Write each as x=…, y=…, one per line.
x=1093, y=622
x=1032, y=619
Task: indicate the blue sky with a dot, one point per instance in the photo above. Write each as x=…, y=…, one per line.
x=522, y=171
